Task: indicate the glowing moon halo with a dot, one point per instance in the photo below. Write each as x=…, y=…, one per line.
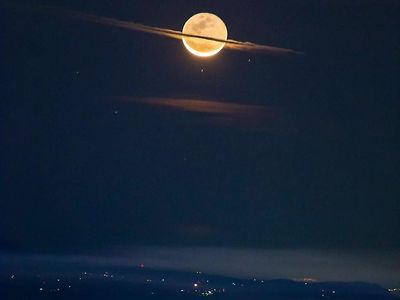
x=207, y=25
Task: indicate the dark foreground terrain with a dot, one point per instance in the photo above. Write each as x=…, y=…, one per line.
x=143, y=283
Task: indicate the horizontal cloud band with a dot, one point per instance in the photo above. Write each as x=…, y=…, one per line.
x=230, y=44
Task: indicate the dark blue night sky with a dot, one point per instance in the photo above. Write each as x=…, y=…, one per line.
x=112, y=139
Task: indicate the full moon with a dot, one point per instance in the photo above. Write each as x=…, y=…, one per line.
x=207, y=25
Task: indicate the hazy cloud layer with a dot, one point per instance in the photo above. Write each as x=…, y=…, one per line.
x=322, y=265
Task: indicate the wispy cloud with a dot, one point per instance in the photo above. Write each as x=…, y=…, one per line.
x=205, y=106
x=244, y=116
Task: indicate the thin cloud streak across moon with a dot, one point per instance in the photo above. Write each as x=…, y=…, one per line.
x=229, y=44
